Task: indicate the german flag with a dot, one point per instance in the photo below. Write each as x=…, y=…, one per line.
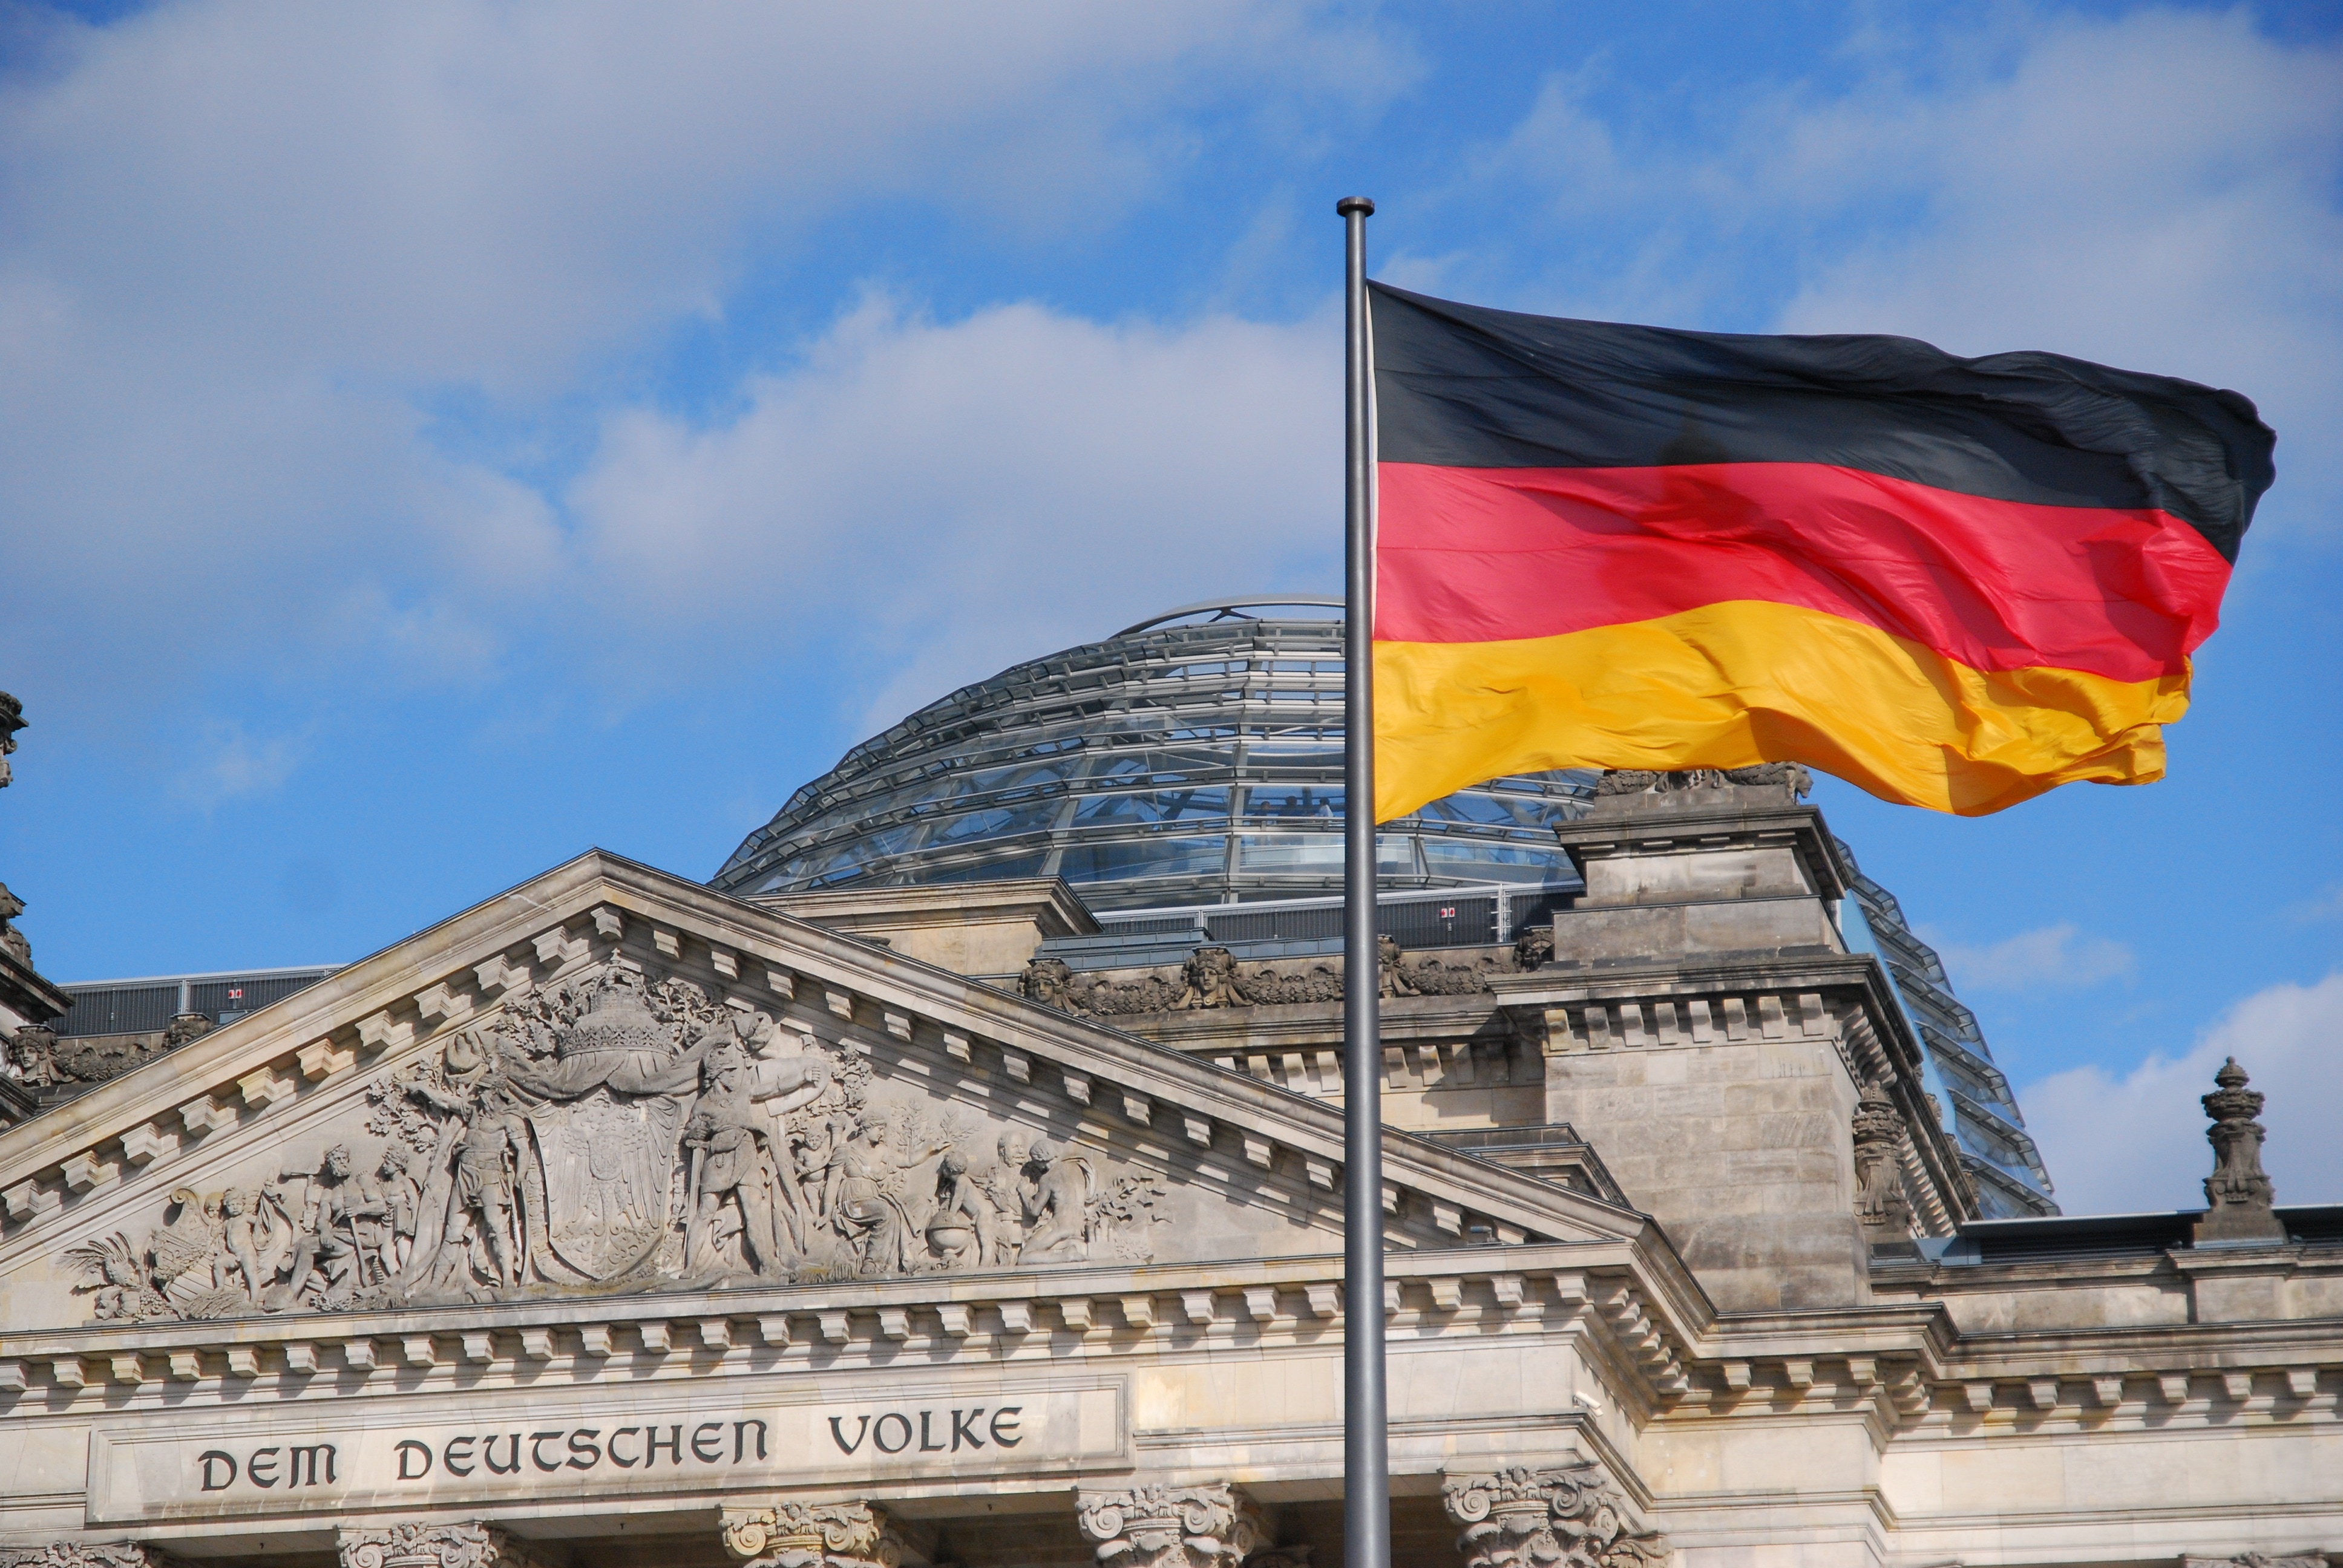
x=1955, y=583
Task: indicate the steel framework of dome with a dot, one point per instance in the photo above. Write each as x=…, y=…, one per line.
x=1193, y=758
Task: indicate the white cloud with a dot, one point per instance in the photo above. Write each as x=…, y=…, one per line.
x=248, y=248
x=961, y=495
x=2136, y=1142
x=459, y=190
x=2157, y=190
x=230, y=765
x=2327, y=906
x=2049, y=958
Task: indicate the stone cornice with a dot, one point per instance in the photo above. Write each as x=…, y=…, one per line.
x=1047, y=901
x=1885, y=1036
x=1659, y=823
x=30, y=993
x=1406, y=1018
x=1597, y=1292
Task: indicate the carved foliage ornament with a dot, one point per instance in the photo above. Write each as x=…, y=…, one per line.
x=1648, y=782
x=439, y=1546
x=622, y=1130
x=1211, y=978
x=1171, y=1527
x=1525, y=1517
x=818, y=1535
x=67, y=1554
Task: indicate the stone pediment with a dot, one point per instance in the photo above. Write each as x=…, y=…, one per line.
x=611, y=1081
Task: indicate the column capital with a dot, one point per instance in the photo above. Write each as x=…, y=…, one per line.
x=822, y=1536
x=1211, y=1526
x=1561, y=1513
x=74, y=1554
x=415, y=1545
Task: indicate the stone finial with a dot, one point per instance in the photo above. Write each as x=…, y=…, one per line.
x=1879, y=1201
x=408, y=1545
x=72, y=1555
x=1520, y=1516
x=1170, y=1526
x=820, y=1535
x=2238, y=1190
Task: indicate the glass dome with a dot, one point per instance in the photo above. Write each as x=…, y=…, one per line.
x=1192, y=758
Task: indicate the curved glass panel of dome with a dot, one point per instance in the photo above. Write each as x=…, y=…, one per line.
x=1193, y=758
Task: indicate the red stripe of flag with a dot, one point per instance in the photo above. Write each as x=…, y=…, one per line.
x=1474, y=555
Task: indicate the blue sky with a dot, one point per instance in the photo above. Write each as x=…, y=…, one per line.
x=439, y=438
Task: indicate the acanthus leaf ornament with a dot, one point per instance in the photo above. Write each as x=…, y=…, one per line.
x=1566, y=1516
x=1170, y=1526
x=418, y=1545
x=790, y=1534
x=75, y=1554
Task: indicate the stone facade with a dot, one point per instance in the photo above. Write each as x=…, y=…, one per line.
x=619, y=1221
x=28, y=1003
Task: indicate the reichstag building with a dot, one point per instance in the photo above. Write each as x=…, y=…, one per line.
x=956, y=1177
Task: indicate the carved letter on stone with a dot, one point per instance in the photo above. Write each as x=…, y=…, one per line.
x=820, y=1535
x=438, y=1546
x=1170, y=1526
x=1520, y=1517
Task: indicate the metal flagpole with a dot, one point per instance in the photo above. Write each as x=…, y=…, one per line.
x=1366, y=1450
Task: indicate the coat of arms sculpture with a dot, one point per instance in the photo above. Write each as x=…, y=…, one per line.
x=614, y=1131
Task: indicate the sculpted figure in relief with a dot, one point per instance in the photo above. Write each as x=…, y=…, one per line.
x=964, y=1230
x=620, y=1131
x=1058, y=1215
x=864, y=1201
x=1647, y=781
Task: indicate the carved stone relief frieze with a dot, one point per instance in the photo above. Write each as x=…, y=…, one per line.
x=1171, y=1527
x=415, y=1545
x=822, y=1536
x=2257, y=1560
x=1567, y=1516
x=620, y=1131
x=1212, y=977
x=1648, y=782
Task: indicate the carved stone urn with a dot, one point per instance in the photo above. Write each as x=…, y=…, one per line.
x=2238, y=1190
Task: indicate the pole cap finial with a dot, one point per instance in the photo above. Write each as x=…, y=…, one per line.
x=1363, y=206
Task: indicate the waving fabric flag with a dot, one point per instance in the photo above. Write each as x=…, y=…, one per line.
x=1955, y=583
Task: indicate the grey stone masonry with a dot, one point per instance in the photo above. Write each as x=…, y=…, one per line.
x=1706, y=1028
